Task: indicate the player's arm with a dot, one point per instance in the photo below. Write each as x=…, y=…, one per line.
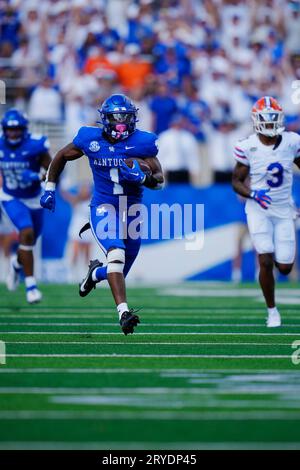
x=31, y=176
x=45, y=160
x=68, y=153
x=239, y=176
x=297, y=162
x=156, y=179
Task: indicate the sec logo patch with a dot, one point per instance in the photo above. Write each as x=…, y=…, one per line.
x=94, y=146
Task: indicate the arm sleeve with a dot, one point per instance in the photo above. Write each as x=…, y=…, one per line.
x=151, y=146
x=297, y=146
x=239, y=154
x=78, y=140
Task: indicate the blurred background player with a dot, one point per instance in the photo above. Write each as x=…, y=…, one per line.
x=24, y=160
x=241, y=235
x=107, y=150
x=179, y=153
x=80, y=245
x=267, y=156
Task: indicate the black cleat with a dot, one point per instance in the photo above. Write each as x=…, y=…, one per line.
x=87, y=284
x=129, y=321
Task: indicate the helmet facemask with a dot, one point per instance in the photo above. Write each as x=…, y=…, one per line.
x=268, y=122
x=20, y=133
x=118, y=115
x=119, y=124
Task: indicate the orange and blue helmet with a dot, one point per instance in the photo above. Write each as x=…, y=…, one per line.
x=268, y=117
x=118, y=115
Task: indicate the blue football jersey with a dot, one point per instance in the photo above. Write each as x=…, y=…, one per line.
x=104, y=159
x=15, y=159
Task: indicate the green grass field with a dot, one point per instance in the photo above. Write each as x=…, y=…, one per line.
x=201, y=372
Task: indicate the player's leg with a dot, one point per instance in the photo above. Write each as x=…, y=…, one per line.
x=237, y=261
x=33, y=293
x=86, y=250
x=75, y=252
x=113, y=245
x=119, y=263
x=96, y=271
x=266, y=278
x=261, y=230
x=285, y=244
x=29, y=225
x=128, y=318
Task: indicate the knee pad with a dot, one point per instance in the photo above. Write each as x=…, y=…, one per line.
x=115, y=261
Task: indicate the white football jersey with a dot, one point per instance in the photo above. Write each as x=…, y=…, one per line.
x=271, y=168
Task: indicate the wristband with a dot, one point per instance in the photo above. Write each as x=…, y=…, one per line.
x=50, y=186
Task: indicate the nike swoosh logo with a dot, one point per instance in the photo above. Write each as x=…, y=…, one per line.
x=135, y=174
x=127, y=148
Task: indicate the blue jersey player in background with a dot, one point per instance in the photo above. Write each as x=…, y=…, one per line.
x=24, y=160
x=107, y=149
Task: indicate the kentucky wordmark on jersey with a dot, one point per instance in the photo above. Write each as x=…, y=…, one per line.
x=104, y=160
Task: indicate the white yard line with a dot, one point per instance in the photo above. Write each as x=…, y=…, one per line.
x=146, y=324
x=182, y=356
x=181, y=333
x=124, y=370
x=144, y=317
x=157, y=343
x=232, y=390
x=150, y=415
x=141, y=445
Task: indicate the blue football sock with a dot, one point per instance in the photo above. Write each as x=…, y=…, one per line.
x=100, y=273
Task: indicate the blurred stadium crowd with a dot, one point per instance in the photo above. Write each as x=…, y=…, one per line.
x=193, y=67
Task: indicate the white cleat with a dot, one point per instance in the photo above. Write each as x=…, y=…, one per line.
x=33, y=296
x=273, y=320
x=13, y=277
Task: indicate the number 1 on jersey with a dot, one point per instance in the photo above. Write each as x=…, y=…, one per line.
x=114, y=176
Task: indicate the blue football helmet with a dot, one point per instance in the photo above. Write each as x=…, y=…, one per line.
x=118, y=115
x=14, y=119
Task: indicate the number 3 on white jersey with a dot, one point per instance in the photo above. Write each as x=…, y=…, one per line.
x=114, y=176
x=276, y=173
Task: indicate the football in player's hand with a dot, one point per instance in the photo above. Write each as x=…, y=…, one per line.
x=143, y=165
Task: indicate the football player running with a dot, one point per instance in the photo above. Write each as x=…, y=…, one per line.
x=107, y=149
x=24, y=160
x=267, y=156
